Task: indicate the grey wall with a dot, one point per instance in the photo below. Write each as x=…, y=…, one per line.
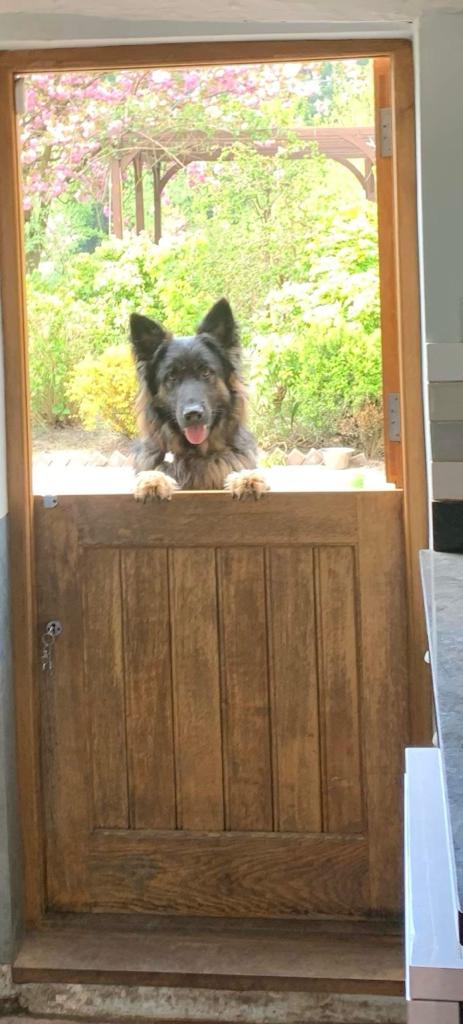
x=10, y=901
x=10, y=897
x=439, y=73
x=113, y=21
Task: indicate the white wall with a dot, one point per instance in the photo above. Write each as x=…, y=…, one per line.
x=3, y=497
x=10, y=875
x=439, y=87
x=439, y=46
x=206, y=19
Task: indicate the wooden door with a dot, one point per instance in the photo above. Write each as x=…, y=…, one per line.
x=222, y=733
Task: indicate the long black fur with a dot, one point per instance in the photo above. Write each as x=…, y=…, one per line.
x=186, y=379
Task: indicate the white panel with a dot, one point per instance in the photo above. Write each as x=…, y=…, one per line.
x=445, y=361
x=439, y=50
x=419, y=1012
x=447, y=480
x=433, y=955
x=3, y=494
x=446, y=401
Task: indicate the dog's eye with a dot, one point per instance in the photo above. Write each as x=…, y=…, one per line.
x=171, y=379
x=207, y=374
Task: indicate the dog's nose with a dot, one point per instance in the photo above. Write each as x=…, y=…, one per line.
x=193, y=414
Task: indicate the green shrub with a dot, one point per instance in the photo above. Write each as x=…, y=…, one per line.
x=119, y=272
x=103, y=390
x=312, y=342
x=304, y=387
x=82, y=313
x=59, y=331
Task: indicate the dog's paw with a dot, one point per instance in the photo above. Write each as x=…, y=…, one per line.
x=153, y=485
x=248, y=483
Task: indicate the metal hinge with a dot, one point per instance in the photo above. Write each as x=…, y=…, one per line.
x=385, y=131
x=19, y=95
x=393, y=416
x=50, y=501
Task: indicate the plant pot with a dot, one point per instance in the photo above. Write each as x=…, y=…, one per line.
x=337, y=458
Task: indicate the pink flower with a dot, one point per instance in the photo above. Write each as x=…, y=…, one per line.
x=115, y=127
x=191, y=80
x=196, y=173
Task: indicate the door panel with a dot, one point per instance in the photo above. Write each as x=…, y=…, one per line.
x=196, y=689
x=339, y=689
x=224, y=725
x=149, y=711
x=294, y=694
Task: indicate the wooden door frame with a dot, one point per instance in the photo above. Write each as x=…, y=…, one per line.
x=23, y=604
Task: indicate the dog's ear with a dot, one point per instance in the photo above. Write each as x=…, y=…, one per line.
x=146, y=337
x=219, y=322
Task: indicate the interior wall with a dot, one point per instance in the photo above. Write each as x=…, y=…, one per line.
x=10, y=902
x=251, y=19
x=439, y=70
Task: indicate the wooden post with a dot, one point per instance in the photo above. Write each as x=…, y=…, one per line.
x=116, y=198
x=387, y=273
x=139, y=203
x=370, y=184
x=157, y=202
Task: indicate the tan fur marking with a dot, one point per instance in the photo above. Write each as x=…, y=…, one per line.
x=154, y=485
x=249, y=483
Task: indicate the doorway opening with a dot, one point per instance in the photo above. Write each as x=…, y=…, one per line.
x=123, y=844
x=258, y=182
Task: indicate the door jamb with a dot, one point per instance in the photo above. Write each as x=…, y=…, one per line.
x=23, y=604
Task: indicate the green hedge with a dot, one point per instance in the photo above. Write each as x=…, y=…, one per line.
x=312, y=347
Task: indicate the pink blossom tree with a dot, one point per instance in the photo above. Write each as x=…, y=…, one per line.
x=75, y=122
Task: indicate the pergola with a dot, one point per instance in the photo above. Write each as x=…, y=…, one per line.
x=353, y=148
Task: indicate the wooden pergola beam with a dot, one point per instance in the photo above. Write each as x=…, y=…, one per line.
x=339, y=143
x=139, y=200
x=116, y=220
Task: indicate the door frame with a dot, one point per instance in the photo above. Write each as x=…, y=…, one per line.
x=12, y=279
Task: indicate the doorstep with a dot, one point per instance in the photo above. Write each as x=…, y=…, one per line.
x=364, y=958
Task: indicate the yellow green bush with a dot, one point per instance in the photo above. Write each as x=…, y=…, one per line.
x=103, y=390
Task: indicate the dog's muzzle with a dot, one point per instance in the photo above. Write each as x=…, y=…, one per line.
x=194, y=426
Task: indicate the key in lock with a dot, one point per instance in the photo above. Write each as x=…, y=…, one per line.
x=52, y=631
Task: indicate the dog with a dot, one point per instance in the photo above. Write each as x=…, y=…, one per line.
x=191, y=410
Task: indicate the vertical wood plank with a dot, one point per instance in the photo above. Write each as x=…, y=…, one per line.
x=415, y=510
x=294, y=690
x=196, y=684
x=383, y=622
x=339, y=696
x=387, y=267
x=104, y=664
x=150, y=747
x=65, y=720
x=247, y=756
x=157, y=199
x=139, y=197
x=117, y=216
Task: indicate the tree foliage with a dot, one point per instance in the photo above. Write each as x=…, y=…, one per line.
x=291, y=242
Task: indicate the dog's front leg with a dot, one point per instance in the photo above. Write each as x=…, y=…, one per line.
x=247, y=483
x=154, y=484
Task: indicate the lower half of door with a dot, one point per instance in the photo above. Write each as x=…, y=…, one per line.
x=222, y=731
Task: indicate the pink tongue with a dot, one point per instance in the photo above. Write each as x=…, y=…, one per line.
x=196, y=435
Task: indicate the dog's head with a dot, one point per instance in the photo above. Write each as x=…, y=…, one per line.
x=188, y=381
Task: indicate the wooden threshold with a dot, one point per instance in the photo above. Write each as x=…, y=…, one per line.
x=290, y=956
